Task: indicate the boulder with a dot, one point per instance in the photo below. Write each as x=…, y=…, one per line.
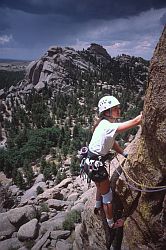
x=60, y=234
x=39, y=178
x=73, y=197
x=28, y=87
x=57, y=204
x=21, y=215
x=14, y=189
x=78, y=242
x=40, y=242
x=32, y=192
x=55, y=223
x=51, y=193
x=48, y=66
x=78, y=207
x=6, y=227
x=28, y=231
x=9, y=244
x=39, y=86
x=62, y=244
x=64, y=183
x=2, y=92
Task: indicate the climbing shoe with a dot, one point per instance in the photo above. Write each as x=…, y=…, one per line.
x=96, y=210
x=118, y=223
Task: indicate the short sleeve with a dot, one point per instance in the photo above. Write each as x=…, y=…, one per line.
x=112, y=129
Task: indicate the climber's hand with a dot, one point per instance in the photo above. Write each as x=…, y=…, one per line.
x=125, y=154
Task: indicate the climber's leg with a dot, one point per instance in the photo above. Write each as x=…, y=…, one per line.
x=98, y=201
x=106, y=192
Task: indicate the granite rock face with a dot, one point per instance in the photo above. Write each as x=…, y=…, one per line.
x=93, y=233
x=146, y=163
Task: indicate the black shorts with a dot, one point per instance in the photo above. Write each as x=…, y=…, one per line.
x=96, y=175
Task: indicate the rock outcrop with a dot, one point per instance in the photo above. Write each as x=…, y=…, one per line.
x=41, y=223
x=145, y=211
x=58, y=70
x=99, y=51
x=147, y=163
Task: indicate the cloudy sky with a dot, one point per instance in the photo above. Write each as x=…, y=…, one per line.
x=29, y=27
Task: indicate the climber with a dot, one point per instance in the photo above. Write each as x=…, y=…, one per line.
x=103, y=140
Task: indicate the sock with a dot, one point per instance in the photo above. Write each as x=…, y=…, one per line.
x=98, y=204
x=110, y=222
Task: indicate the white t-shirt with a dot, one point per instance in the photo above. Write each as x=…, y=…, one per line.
x=103, y=137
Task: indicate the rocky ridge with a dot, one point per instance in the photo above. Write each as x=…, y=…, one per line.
x=36, y=221
x=58, y=67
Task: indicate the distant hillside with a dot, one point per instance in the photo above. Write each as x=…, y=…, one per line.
x=13, y=65
x=11, y=72
x=2, y=60
x=54, y=105
x=69, y=84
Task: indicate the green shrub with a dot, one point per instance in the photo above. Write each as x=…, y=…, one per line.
x=72, y=218
x=44, y=207
x=39, y=190
x=75, y=166
x=60, y=176
x=47, y=172
x=54, y=169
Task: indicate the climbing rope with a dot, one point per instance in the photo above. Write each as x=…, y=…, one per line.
x=137, y=183
x=144, y=189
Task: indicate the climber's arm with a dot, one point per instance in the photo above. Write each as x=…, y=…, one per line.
x=117, y=148
x=129, y=124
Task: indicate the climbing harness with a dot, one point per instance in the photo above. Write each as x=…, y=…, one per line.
x=95, y=167
x=144, y=188
x=95, y=170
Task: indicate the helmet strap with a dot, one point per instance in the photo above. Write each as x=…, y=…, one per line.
x=109, y=113
x=109, y=116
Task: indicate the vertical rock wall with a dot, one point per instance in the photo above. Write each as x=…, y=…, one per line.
x=146, y=227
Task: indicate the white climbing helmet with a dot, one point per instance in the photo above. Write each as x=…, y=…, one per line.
x=107, y=102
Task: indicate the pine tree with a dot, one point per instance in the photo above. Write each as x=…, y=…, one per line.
x=19, y=181
x=74, y=166
x=54, y=169
x=75, y=132
x=28, y=173
x=47, y=172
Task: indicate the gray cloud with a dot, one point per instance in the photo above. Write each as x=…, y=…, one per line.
x=163, y=19
x=120, y=26
x=84, y=10
x=4, y=22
